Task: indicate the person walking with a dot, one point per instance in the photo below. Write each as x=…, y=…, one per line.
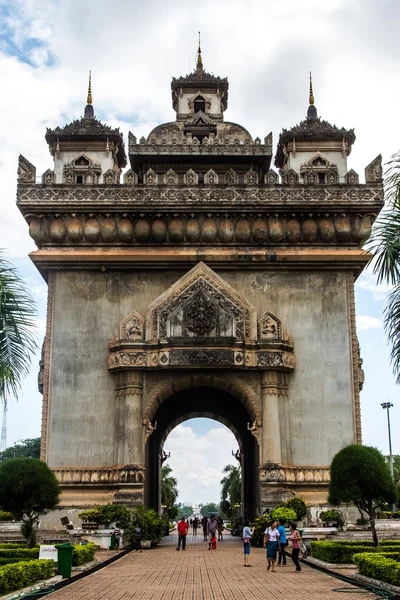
x=195, y=526
x=182, y=533
x=117, y=536
x=247, y=535
x=282, y=543
x=220, y=528
x=271, y=543
x=204, y=522
x=295, y=538
x=138, y=538
x=212, y=527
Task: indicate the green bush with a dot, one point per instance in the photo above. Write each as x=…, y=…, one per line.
x=9, y=561
x=16, y=576
x=333, y=515
x=19, y=553
x=385, y=514
x=153, y=526
x=282, y=512
x=106, y=514
x=380, y=566
x=260, y=524
x=6, y=516
x=396, y=514
x=340, y=552
x=7, y=545
x=83, y=554
x=299, y=507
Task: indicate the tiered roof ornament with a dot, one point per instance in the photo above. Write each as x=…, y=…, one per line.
x=312, y=111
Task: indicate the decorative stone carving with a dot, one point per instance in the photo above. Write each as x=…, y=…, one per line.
x=170, y=177
x=351, y=177
x=201, y=315
x=191, y=178
x=254, y=429
x=211, y=358
x=271, y=178
x=373, y=172
x=131, y=138
x=150, y=177
x=231, y=177
x=270, y=359
x=130, y=177
x=291, y=474
x=251, y=177
x=332, y=177
x=26, y=170
x=132, y=474
x=111, y=177
x=211, y=177
x=148, y=428
x=126, y=359
x=48, y=177
x=290, y=177
x=132, y=328
x=310, y=177
x=269, y=327
x=272, y=472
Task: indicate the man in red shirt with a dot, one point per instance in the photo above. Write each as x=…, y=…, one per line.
x=182, y=533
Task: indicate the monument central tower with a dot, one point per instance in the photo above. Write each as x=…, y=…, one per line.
x=206, y=283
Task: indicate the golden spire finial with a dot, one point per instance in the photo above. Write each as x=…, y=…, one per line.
x=199, y=58
x=311, y=99
x=89, y=95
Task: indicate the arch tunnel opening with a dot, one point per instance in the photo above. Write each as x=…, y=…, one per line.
x=216, y=404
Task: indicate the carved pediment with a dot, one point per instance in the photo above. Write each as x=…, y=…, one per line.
x=201, y=294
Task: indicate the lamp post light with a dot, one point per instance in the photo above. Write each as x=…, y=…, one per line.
x=388, y=406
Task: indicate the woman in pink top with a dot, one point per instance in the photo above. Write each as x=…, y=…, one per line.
x=295, y=539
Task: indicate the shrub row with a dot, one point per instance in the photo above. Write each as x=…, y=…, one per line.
x=8, y=561
x=19, y=553
x=368, y=543
x=7, y=545
x=17, y=576
x=333, y=552
x=383, y=566
x=83, y=554
x=6, y=516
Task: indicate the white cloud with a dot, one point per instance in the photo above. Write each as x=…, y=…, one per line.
x=197, y=461
x=364, y=323
x=367, y=282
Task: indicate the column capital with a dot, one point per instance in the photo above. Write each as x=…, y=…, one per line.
x=274, y=383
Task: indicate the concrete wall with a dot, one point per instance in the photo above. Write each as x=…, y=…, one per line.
x=315, y=421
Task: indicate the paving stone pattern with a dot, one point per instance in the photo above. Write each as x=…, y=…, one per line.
x=163, y=573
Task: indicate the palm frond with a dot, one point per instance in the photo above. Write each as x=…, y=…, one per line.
x=392, y=328
x=17, y=338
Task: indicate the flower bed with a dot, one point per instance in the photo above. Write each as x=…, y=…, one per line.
x=17, y=576
x=339, y=552
x=384, y=566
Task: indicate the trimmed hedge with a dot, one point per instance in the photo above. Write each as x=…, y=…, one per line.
x=382, y=566
x=7, y=545
x=9, y=561
x=17, y=576
x=83, y=554
x=334, y=552
x=31, y=553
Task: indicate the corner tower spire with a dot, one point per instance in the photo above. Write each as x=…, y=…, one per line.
x=199, y=64
x=89, y=110
x=312, y=111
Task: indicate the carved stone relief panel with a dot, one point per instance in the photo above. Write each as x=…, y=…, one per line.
x=269, y=327
x=132, y=328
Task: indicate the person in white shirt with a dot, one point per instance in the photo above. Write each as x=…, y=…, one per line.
x=271, y=543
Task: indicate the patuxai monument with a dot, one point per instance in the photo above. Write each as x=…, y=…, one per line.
x=199, y=274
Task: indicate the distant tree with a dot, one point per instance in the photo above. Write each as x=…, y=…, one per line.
x=396, y=468
x=360, y=475
x=184, y=510
x=28, y=489
x=169, y=490
x=210, y=509
x=17, y=340
x=231, y=485
x=29, y=448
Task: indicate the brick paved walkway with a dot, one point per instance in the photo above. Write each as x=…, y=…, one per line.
x=198, y=574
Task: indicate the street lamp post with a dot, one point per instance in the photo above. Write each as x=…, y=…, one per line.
x=388, y=406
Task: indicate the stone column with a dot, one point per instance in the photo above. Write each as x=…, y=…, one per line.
x=271, y=385
x=129, y=428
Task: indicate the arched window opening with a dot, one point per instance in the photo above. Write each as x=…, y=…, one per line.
x=199, y=104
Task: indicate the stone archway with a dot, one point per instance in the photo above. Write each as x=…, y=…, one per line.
x=220, y=405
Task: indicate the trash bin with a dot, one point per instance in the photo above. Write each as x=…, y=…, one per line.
x=301, y=532
x=64, y=553
x=112, y=541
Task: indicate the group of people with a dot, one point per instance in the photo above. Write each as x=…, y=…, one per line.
x=211, y=527
x=275, y=542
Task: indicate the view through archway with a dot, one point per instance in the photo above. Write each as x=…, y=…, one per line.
x=222, y=407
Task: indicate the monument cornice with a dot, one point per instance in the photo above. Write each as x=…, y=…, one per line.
x=232, y=197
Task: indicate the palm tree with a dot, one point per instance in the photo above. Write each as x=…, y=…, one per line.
x=17, y=340
x=385, y=247
x=169, y=489
x=231, y=485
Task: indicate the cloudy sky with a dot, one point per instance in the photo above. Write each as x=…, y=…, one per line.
x=266, y=48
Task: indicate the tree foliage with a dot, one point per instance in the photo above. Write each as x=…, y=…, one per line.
x=231, y=488
x=360, y=475
x=17, y=340
x=28, y=489
x=184, y=510
x=29, y=448
x=210, y=509
x=169, y=490
x=384, y=245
